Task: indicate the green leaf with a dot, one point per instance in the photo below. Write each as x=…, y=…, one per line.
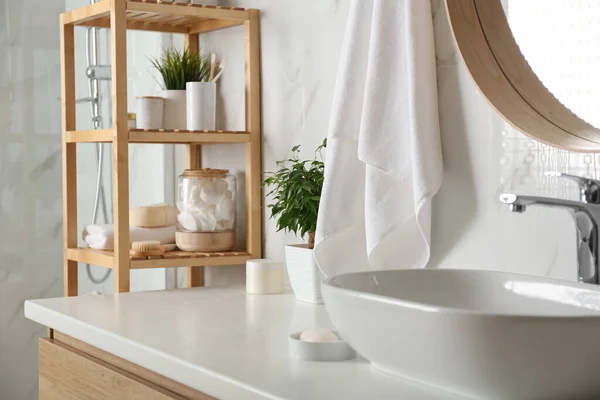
x=295, y=189
x=177, y=68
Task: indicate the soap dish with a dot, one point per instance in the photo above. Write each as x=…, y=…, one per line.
x=319, y=351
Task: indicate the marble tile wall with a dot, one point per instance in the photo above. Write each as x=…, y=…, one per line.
x=30, y=173
x=30, y=176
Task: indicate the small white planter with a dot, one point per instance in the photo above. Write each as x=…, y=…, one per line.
x=149, y=112
x=305, y=275
x=175, y=109
x=201, y=105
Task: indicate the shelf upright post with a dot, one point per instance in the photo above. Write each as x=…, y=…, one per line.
x=253, y=125
x=69, y=155
x=195, y=275
x=118, y=37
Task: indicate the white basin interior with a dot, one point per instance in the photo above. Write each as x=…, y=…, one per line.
x=477, y=291
x=482, y=334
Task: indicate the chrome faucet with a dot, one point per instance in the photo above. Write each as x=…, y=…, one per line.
x=586, y=214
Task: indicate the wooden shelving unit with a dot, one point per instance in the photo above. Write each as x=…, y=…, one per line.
x=154, y=15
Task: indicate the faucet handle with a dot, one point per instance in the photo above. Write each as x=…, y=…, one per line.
x=589, y=189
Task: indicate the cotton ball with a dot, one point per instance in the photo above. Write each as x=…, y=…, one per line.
x=194, y=194
x=188, y=222
x=224, y=210
x=207, y=221
x=318, y=335
x=228, y=194
x=220, y=186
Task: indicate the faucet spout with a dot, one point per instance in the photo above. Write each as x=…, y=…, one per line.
x=587, y=221
x=519, y=203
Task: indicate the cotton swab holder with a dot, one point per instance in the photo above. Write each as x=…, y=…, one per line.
x=201, y=105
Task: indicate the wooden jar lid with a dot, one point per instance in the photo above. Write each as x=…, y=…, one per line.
x=205, y=173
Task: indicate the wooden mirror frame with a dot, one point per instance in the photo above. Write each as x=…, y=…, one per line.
x=496, y=64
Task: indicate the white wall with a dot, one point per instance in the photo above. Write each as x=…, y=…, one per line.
x=300, y=44
x=482, y=156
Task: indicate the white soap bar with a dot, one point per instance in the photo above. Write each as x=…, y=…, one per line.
x=318, y=335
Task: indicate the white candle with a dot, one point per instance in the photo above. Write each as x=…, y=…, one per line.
x=264, y=276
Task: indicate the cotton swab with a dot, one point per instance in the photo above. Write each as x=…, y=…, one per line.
x=221, y=68
x=213, y=66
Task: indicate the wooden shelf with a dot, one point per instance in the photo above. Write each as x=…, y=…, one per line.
x=161, y=16
x=163, y=136
x=187, y=137
x=170, y=259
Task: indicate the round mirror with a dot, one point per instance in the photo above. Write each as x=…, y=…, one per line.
x=560, y=39
x=535, y=64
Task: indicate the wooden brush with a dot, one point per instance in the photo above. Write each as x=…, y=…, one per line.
x=146, y=248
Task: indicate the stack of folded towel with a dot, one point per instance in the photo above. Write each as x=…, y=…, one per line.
x=155, y=222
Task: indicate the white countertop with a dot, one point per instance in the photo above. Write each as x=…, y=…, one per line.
x=220, y=341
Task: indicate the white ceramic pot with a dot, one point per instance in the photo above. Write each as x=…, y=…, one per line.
x=201, y=105
x=175, y=109
x=149, y=112
x=305, y=275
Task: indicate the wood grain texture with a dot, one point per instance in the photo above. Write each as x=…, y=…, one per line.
x=192, y=261
x=69, y=155
x=253, y=125
x=118, y=34
x=91, y=256
x=517, y=70
x=495, y=84
x=88, y=13
x=194, y=274
x=131, y=368
x=184, y=137
x=214, y=25
x=90, y=136
x=196, y=10
x=67, y=373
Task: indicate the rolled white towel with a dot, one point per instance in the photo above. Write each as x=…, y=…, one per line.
x=101, y=236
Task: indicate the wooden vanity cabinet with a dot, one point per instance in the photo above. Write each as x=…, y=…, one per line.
x=71, y=370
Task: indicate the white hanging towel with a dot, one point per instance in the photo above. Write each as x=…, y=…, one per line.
x=384, y=159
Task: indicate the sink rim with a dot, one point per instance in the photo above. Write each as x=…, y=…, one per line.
x=590, y=314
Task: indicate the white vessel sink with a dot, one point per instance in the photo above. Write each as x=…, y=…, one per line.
x=484, y=335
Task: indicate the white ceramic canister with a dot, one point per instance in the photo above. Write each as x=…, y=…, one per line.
x=201, y=105
x=174, y=111
x=264, y=276
x=149, y=112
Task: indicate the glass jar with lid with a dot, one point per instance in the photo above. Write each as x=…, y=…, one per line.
x=207, y=205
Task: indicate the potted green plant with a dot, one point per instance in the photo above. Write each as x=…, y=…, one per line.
x=296, y=191
x=177, y=68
